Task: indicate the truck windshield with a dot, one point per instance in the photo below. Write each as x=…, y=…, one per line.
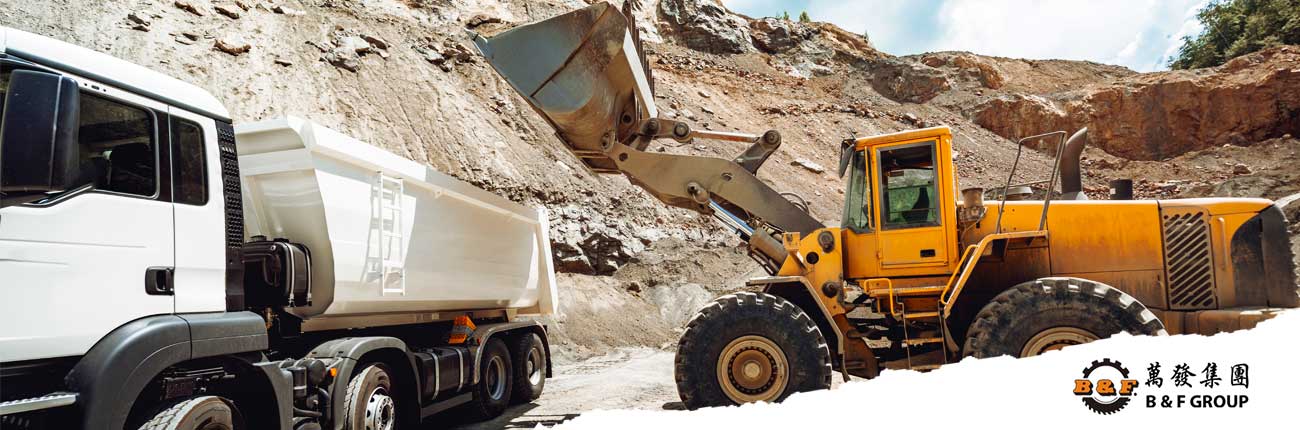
x=857, y=195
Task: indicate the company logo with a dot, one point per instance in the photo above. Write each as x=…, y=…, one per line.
x=1105, y=386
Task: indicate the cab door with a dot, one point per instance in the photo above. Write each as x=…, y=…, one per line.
x=912, y=236
x=78, y=264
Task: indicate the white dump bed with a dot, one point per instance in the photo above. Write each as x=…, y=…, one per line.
x=392, y=241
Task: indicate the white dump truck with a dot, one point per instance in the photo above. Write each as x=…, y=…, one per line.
x=162, y=268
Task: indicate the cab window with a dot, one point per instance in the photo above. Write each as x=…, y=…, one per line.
x=857, y=195
x=189, y=177
x=117, y=148
x=118, y=152
x=907, y=186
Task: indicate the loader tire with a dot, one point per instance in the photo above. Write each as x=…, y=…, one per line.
x=1051, y=313
x=529, y=357
x=198, y=413
x=749, y=347
x=492, y=394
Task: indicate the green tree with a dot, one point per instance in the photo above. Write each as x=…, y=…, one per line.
x=785, y=15
x=1238, y=27
x=803, y=17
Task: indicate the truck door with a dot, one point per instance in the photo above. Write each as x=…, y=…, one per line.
x=199, y=212
x=77, y=264
x=912, y=235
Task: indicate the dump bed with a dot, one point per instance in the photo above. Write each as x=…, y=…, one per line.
x=391, y=241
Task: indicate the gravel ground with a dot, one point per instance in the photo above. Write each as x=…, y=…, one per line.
x=626, y=378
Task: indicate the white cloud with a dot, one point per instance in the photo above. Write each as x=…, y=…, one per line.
x=1139, y=34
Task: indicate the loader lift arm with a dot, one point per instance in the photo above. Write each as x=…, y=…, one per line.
x=585, y=73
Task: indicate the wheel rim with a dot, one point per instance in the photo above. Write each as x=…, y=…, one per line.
x=533, y=366
x=496, y=378
x=1056, y=338
x=751, y=369
x=380, y=410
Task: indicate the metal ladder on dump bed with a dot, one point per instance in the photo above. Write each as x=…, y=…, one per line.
x=392, y=249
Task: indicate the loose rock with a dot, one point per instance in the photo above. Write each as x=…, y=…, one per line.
x=232, y=46
x=229, y=11
x=137, y=21
x=189, y=7
x=808, y=165
x=481, y=19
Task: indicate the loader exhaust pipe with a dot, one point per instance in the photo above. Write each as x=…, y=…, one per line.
x=1071, y=176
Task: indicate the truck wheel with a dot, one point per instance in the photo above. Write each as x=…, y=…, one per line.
x=530, y=368
x=492, y=394
x=370, y=403
x=199, y=413
x=1052, y=313
x=750, y=347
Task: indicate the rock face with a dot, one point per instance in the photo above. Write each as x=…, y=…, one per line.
x=1160, y=115
x=907, y=81
x=972, y=66
x=705, y=25
x=774, y=35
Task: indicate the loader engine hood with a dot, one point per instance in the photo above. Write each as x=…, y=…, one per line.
x=584, y=72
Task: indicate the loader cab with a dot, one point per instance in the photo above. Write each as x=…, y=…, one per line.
x=900, y=205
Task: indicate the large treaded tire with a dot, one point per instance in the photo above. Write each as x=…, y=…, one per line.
x=368, y=380
x=737, y=315
x=199, y=413
x=485, y=405
x=1010, y=320
x=528, y=348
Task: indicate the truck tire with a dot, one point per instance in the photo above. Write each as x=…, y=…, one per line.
x=371, y=403
x=748, y=347
x=492, y=394
x=1052, y=313
x=198, y=413
x=529, y=358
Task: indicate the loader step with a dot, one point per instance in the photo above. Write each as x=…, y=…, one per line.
x=922, y=341
x=926, y=366
x=921, y=315
x=909, y=291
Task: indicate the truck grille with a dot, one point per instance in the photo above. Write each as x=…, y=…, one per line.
x=1189, y=261
x=230, y=185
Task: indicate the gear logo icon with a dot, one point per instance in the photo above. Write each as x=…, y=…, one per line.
x=1105, y=387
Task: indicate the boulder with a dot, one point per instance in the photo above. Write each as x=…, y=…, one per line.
x=705, y=25
x=774, y=35
x=907, y=81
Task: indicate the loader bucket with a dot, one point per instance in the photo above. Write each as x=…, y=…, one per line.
x=583, y=71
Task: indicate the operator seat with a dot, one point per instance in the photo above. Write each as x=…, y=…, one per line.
x=921, y=209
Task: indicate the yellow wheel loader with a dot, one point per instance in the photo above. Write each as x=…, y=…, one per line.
x=916, y=274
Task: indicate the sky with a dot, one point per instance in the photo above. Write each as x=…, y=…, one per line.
x=1138, y=34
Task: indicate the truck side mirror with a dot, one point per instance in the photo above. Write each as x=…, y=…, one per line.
x=39, y=150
